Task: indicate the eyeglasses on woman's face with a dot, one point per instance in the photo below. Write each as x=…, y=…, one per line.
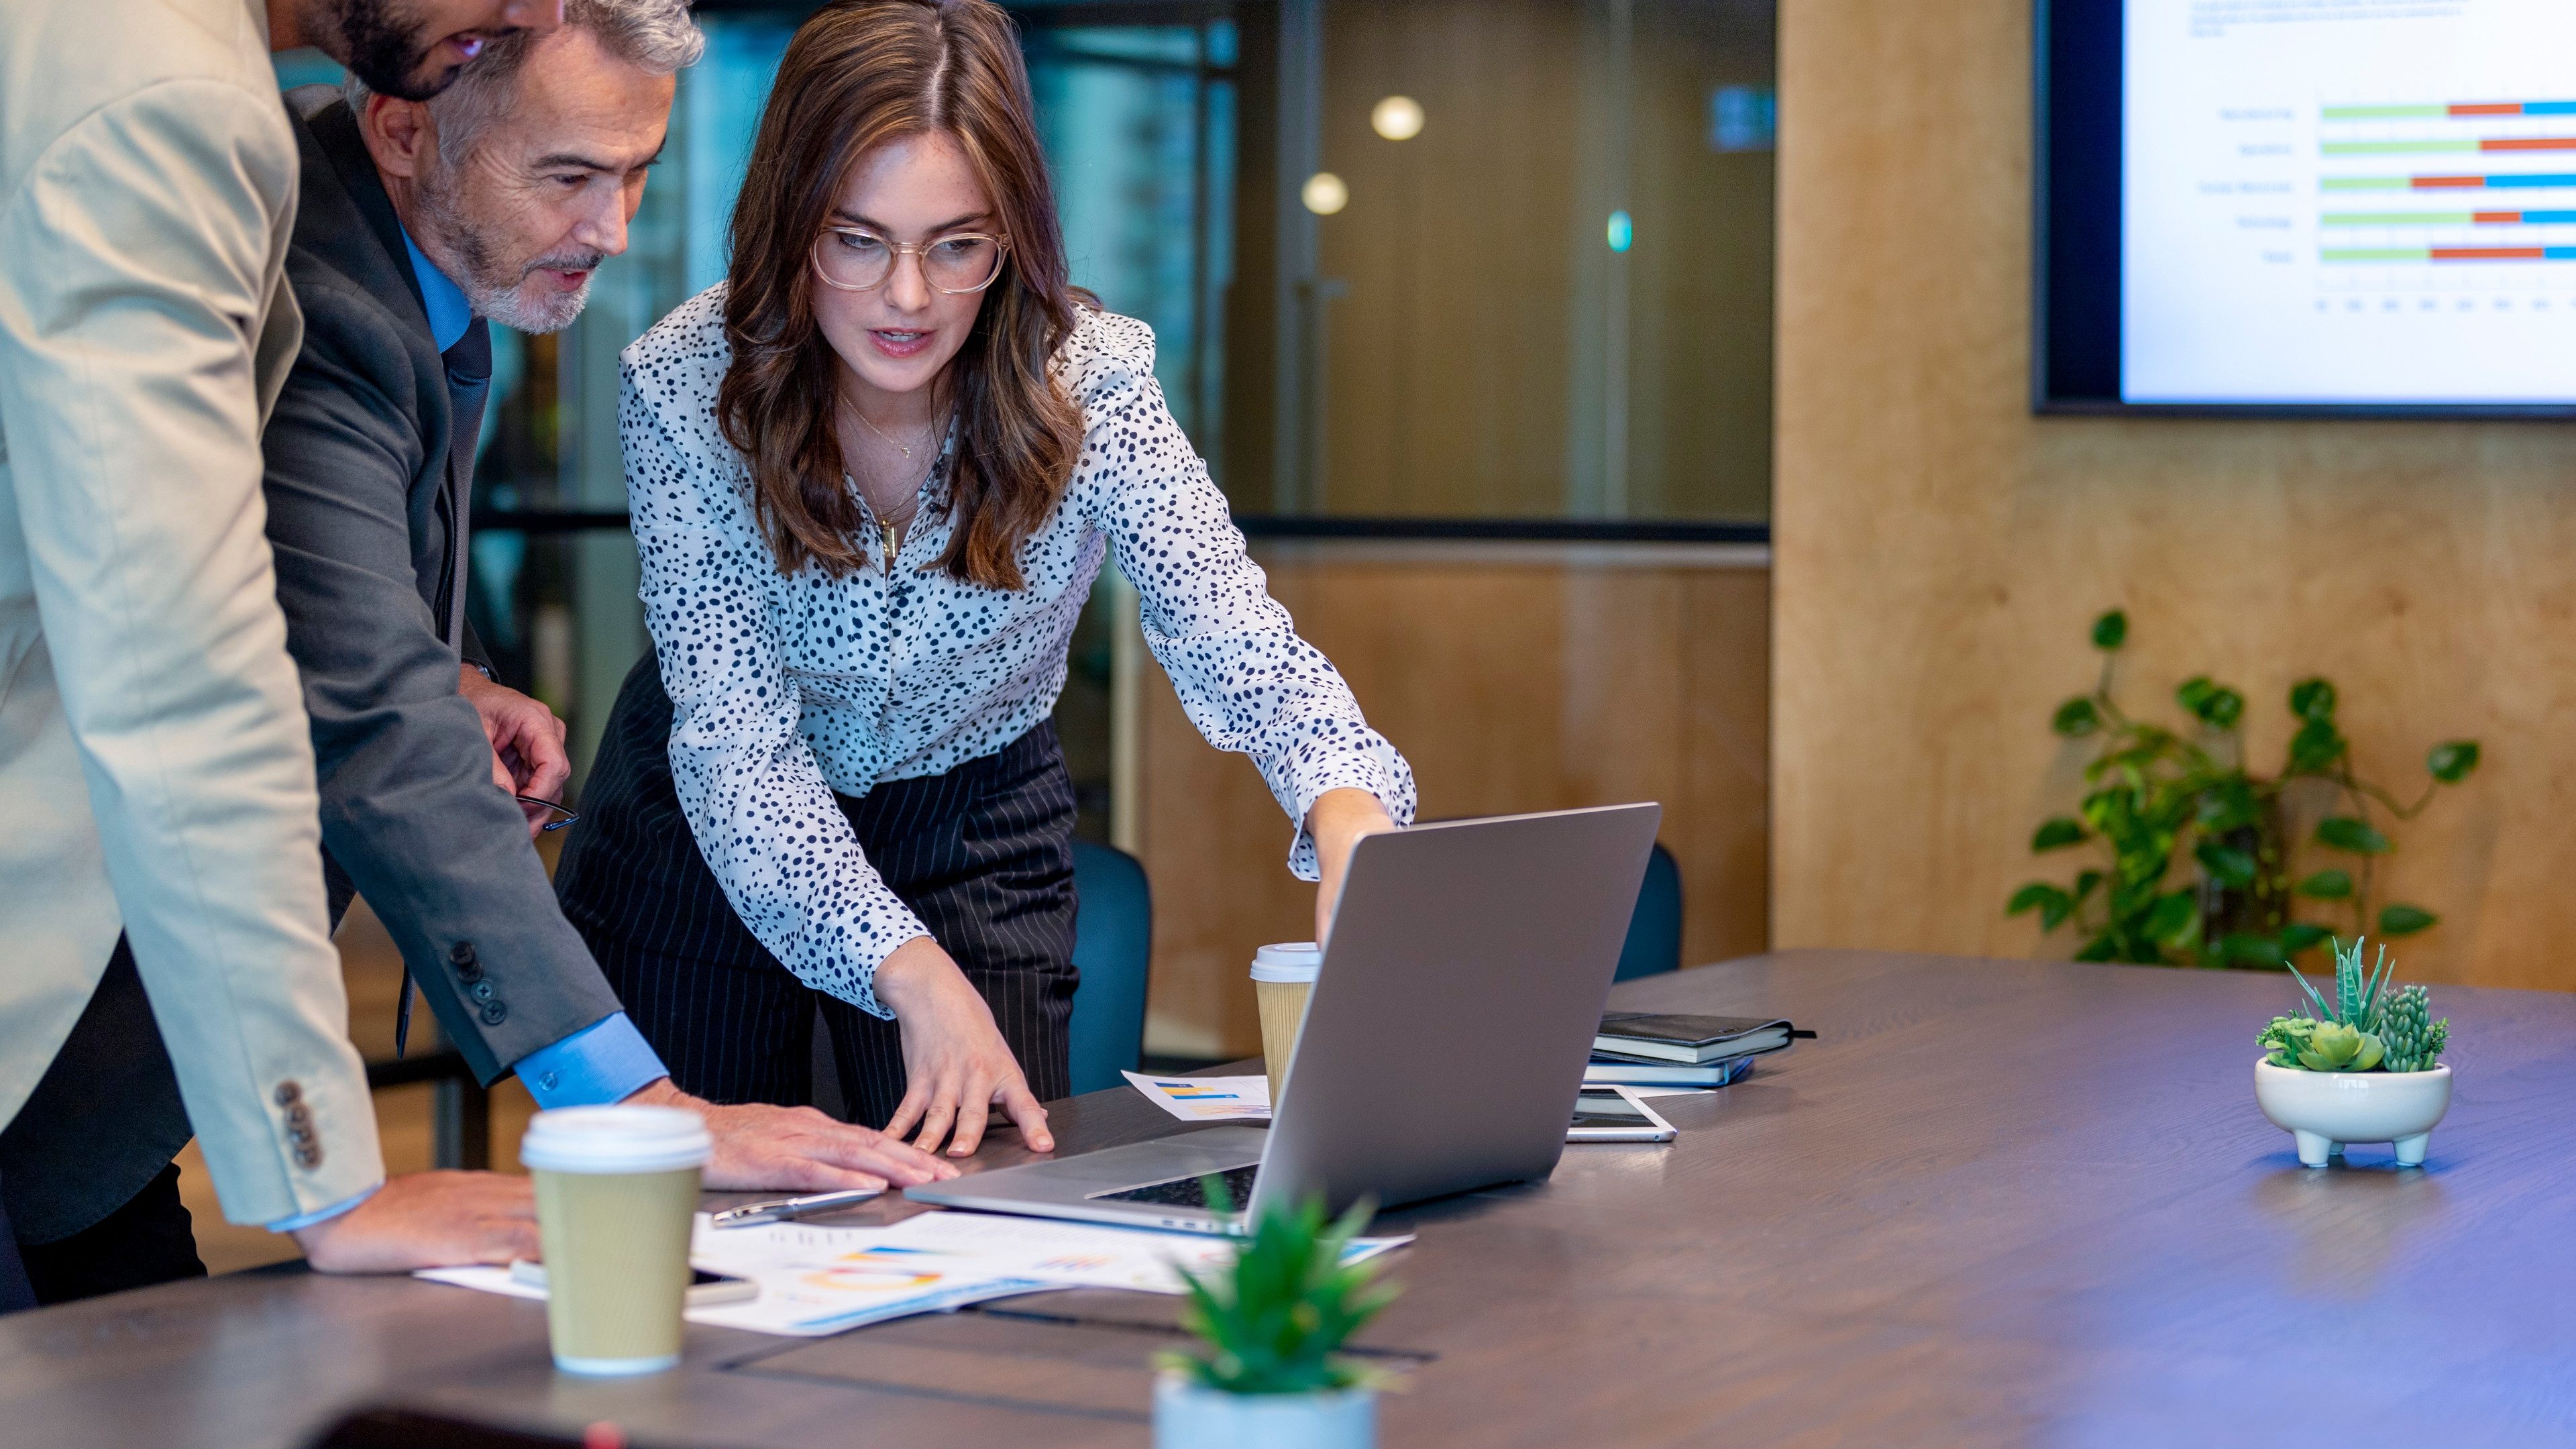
x=855, y=259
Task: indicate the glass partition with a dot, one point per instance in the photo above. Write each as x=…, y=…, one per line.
x=1412, y=264
x=1518, y=261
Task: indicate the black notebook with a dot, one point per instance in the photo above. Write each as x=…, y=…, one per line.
x=1647, y=1036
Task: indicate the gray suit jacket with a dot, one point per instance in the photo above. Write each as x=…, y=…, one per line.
x=359, y=518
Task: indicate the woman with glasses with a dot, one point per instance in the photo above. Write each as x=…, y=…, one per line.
x=873, y=475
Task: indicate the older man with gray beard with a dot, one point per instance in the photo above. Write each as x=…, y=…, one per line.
x=422, y=224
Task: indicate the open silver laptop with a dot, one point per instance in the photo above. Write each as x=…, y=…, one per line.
x=1443, y=1047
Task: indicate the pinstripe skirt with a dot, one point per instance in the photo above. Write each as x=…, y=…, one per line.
x=982, y=854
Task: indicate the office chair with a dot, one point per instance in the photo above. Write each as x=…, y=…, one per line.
x=1654, y=944
x=1113, y=939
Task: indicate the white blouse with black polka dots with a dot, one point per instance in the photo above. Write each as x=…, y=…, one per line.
x=785, y=689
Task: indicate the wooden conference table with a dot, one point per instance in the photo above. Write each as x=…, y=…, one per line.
x=2000, y=1202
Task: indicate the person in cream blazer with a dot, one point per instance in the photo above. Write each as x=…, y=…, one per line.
x=155, y=772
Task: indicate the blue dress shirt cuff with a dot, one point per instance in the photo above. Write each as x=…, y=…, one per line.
x=321, y=1214
x=606, y=1061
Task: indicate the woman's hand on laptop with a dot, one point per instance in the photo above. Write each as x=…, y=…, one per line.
x=1337, y=822
x=764, y=1148
x=955, y=1062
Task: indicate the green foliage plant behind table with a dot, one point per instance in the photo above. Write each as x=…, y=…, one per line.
x=2195, y=860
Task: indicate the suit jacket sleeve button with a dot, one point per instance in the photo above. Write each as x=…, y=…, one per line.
x=494, y=1012
x=480, y=991
x=461, y=954
x=288, y=1094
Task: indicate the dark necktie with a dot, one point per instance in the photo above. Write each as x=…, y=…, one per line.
x=469, y=385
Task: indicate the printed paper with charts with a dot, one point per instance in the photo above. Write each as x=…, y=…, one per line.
x=817, y=1280
x=1206, y=1099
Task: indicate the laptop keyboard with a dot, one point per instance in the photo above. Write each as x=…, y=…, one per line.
x=1189, y=1191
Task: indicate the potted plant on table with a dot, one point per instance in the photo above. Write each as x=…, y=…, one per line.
x=2365, y=1069
x=1269, y=1372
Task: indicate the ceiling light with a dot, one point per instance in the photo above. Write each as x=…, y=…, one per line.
x=1397, y=118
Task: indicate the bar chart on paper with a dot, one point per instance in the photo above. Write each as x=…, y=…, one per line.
x=2351, y=202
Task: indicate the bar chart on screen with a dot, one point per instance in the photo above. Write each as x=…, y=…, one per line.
x=2409, y=190
x=2349, y=202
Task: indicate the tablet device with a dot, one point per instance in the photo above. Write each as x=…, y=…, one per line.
x=1616, y=1114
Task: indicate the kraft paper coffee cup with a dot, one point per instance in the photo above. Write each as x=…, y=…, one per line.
x=617, y=1192
x=1283, y=978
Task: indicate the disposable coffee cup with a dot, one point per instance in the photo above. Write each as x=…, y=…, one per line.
x=617, y=1192
x=1283, y=980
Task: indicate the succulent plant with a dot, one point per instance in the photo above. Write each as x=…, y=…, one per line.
x=2366, y=1028
x=2415, y=1040
x=2285, y=1038
x=1274, y=1322
x=2357, y=992
x=2334, y=1047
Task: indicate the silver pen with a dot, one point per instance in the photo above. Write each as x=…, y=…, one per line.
x=783, y=1209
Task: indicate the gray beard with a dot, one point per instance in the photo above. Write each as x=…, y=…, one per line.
x=512, y=308
x=494, y=290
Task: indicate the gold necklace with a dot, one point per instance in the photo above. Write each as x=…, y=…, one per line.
x=889, y=437
x=887, y=522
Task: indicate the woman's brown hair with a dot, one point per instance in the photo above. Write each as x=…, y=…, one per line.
x=858, y=74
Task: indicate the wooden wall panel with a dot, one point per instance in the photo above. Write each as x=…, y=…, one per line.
x=1939, y=550
x=1513, y=680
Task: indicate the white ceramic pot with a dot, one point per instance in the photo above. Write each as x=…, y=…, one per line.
x=1188, y=1415
x=2325, y=1110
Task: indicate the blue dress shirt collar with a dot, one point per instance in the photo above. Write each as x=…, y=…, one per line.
x=449, y=313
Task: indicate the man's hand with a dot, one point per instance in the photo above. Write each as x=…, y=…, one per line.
x=428, y=1220
x=528, y=756
x=955, y=1062
x=1337, y=822
x=760, y=1148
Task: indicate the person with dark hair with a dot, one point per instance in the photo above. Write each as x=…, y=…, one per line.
x=873, y=474
x=159, y=866
x=422, y=223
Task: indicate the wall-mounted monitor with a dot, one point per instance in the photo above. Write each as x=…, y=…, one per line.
x=2306, y=207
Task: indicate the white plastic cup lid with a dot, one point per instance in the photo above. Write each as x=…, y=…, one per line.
x=1287, y=961
x=615, y=1139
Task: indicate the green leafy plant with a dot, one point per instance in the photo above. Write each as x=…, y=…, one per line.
x=2200, y=864
x=1274, y=1321
x=2366, y=1028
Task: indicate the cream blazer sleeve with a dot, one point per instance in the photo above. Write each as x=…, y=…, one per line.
x=143, y=326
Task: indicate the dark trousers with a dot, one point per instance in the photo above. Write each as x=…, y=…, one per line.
x=89, y=1198
x=149, y=1240
x=982, y=854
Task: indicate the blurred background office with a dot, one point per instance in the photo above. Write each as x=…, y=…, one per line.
x=1468, y=305
x=1625, y=432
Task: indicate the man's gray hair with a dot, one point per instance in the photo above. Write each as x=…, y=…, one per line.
x=657, y=37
